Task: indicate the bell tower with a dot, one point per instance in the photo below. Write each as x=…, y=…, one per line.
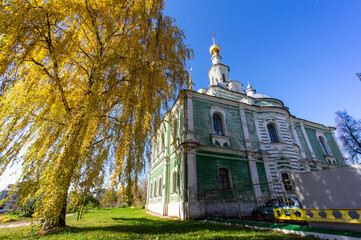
x=219, y=72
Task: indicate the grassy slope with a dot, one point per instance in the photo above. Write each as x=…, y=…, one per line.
x=118, y=223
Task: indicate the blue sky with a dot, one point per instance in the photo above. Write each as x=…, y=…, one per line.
x=303, y=52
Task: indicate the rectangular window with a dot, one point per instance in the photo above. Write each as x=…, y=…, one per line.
x=287, y=182
x=224, y=178
x=174, y=182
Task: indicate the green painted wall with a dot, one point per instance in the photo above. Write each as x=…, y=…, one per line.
x=202, y=122
x=334, y=148
x=203, y=125
x=262, y=177
x=207, y=174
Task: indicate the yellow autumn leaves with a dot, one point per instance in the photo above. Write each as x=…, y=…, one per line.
x=84, y=85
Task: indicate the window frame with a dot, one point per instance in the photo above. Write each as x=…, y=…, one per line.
x=155, y=188
x=160, y=187
x=217, y=123
x=324, y=145
x=288, y=185
x=220, y=111
x=174, y=182
x=274, y=136
x=229, y=179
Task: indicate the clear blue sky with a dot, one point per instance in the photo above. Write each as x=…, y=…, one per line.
x=303, y=52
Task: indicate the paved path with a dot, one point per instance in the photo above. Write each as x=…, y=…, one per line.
x=22, y=223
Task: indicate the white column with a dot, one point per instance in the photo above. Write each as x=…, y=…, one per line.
x=193, y=203
x=254, y=177
x=183, y=205
x=190, y=126
x=251, y=161
x=244, y=124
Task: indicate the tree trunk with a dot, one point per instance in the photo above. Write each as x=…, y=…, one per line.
x=50, y=224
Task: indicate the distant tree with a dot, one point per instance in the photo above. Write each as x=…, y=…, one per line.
x=109, y=198
x=349, y=130
x=140, y=192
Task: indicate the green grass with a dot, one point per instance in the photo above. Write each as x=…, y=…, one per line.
x=127, y=223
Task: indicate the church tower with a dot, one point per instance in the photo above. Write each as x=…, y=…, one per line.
x=219, y=72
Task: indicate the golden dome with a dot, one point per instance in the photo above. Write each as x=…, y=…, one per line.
x=214, y=49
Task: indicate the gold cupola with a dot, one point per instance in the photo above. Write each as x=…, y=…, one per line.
x=214, y=49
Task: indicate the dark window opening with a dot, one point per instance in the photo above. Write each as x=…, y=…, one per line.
x=272, y=133
x=224, y=182
x=174, y=182
x=217, y=125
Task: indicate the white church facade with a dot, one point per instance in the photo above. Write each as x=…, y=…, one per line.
x=220, y=148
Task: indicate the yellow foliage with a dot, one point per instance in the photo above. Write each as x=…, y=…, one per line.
x=85, y=82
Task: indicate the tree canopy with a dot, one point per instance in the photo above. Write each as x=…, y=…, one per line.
x=349, y=130
x=83, y=83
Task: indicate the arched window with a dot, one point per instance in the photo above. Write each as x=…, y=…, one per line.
x=224, y=178
x=217, y=125
x=323, y=145
x=160, y=187
x=151, y=190
x=272, y=133
x=155, y=188
x=224, y=78
x=174, y=182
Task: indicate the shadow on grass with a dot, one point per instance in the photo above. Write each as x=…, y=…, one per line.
x=154, y=227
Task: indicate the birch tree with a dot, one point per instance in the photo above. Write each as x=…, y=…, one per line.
x=84, y=82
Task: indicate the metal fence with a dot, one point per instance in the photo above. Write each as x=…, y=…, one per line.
x=239, y=201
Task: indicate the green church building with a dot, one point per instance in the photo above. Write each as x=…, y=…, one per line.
x=223, y=150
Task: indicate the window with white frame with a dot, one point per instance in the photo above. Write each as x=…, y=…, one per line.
x=217, y=125
x=224, y=178
x=272, y=133
x=174, y=182
x=155, y=188
x=324, y=145
x=160, y=185
x=151, y=190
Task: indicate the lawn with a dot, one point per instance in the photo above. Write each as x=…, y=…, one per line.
x=127, y=223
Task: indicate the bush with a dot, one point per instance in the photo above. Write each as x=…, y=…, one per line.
x=124, y=205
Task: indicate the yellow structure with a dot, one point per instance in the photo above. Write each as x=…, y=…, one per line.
x=319, y=215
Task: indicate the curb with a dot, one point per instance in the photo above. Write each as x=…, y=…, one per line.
x=302, y=233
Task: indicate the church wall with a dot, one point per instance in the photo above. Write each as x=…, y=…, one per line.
x=173, y=166
x=334, y=148
x=263, y=179
x=202, y=123
x=203, y=127
x=207, y=173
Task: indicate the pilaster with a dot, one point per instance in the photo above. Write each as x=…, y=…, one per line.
x=183, y=188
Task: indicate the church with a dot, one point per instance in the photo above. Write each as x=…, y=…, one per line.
x=224, y=150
